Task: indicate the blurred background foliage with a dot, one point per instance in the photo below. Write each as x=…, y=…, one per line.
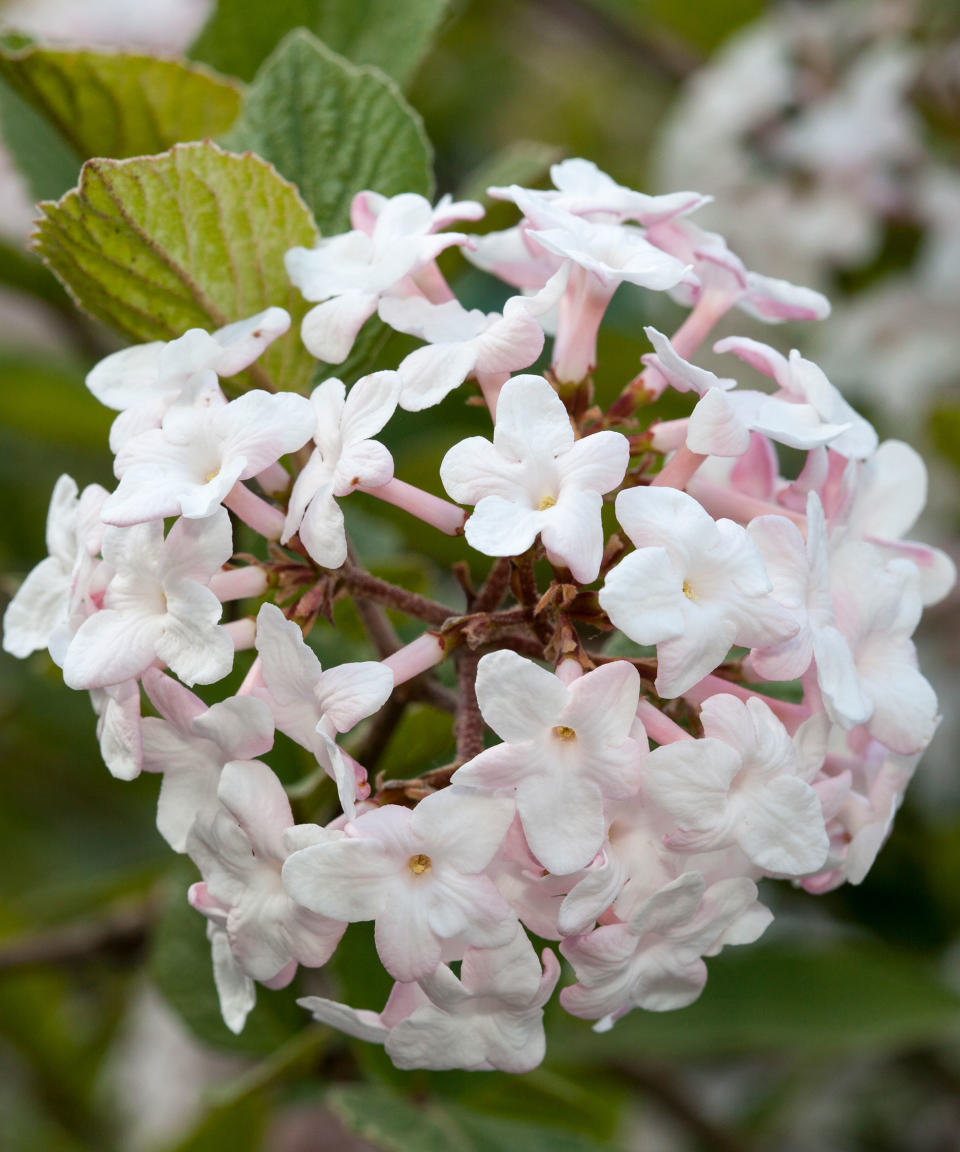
x=841, y=1030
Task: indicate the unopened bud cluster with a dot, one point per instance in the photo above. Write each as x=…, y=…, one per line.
x=622, y=806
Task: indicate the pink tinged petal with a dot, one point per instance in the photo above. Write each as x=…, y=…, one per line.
x=643, y=596
x=432, y=372
x=470, y=908
x=190, y=643
x=691, y=779
x=329, y=329
x=572, y=533
x=119, y=730
x=357, y=1022
x=497, y=769
x=597, y=462
x=243, y=341
x=500, y=527
x=256, y=799
x=517, y=697
x=365, y=464
x=322, y=530
x=190, y=770
x=235, y=990
x=716, y=428
x=843, y=695
x=775, y=301
x=782, y=831
x=406, y=944
x=262, y=426
x=462, y=827
x=680, y=373
x=340, y=768
x=313, y=478
x=512, y=342
x=905, y=713
x=603, y=703
x=38, y=609
x=684, y=661
x=291, y=669
x=760, y=356
x=530, y=413
x=436, y=1040
x=240, y=725
x=562, y=816
x=198, y=550
x=591, y=897
x=350, y=692
x=111, y=647
x=344, y=880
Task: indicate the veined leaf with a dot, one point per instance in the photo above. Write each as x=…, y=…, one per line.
x=333, y=128
x=119, y=105
x=193, y=237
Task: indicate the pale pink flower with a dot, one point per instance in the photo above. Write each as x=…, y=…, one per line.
x=536, y=479
x=188, y=466
x=694, y=587
x=141, y=382
x=740, y=785
x=344, y=459
x=566, y=749
x=157, y=606
x=418, y=875
x=240, y=852
x=190, y=742
x=655, y=959
x=311, y=705
x=348, y=274
x=48, y=605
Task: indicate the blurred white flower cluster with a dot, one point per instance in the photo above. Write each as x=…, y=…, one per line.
x=808, y=127
x=642, y=768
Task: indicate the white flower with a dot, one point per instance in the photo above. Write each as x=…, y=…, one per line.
x=740, y=785
x=345, y=458
x=582, y=189
x=694, y=587
x=799, y=571
x=654, y=960
x=567, y=749
x=188, y=465
x=804, y=382
x=348, y=274
x=142, y=382
x=418, y=875
x=240, y=852
x=462, y=343
x=157, y=606
x=190, y=743
x=491, y=1016
x=535, y=479
x=721, y=423
x=39, y=615
x=311, y=705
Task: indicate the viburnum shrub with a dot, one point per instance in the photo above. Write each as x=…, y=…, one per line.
x=623, y=778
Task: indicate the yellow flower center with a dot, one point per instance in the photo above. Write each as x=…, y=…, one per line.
x=546, y=502
x=419, y=864
x=688, y=591
x=562, y=732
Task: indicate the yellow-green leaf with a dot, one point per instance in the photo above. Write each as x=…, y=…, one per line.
x=119, y=105
x=194, y=237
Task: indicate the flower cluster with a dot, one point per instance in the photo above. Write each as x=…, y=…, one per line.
x=624, y=777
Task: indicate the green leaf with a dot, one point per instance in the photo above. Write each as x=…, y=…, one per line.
x=194, y=237
x=523, y=162
x=390, y=1122
x=45, y=161
x=180, y=966
x=778, y=996
x=393, y=36
x=118, y=105
x=332, y=128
